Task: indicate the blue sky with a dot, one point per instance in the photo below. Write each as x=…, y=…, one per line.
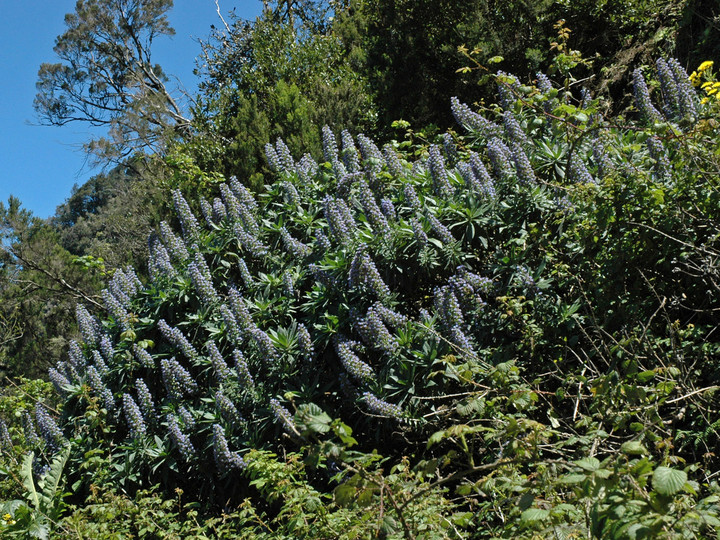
x=40, y=164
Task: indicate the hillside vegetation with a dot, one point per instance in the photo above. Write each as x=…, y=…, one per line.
x=505, y=329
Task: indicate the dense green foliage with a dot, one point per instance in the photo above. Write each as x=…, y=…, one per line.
x=507, y=330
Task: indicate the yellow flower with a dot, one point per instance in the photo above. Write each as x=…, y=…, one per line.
x=706, y=84
x=703, y=101
x=707, y=64
x=7, y=517
x=711, y=91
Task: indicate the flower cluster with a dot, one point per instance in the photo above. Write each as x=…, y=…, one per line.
x=76, y=356
x=513, y=130
x=448, y=308
x=372, y=212
x=687, y=98
x=322, y=241
x=49, y=429
x=436, y=164
x=487, y=186
x=204, y=287
x=273, y=159
x=88, y=325
x=207, y=212
x=225, y=460
x=220, y=367
x=116, y=310
x=661, y=163
x=227, y=409
x=306, y=169
x=100, y=388
x=133, y=417
x=388, y=208
x=179, y=439
x=394, y=165
x=243, y=194
x=420, y=236
x=350, y=155
x=329, y=144
x=507, y=85
x=31, y=436
x=291, y=194
x=174, y=245
x=378, y=406
x=441, y=230
x=145, y=358
x=240, y=311
x=374, y=333
x=231, y=325
x=6, y=443
x=249, y=242
x=106, y=348
x=147, y=405
x=526, y=279
x=372, y=157
x=264, y=344
x=177, y=338
x=307, y=348
x=242, y=369
x=284, y=418
x=342, y=229
x=159, y=263
x=288, y=284
x=187, y=417
x=219, y=212
x=411, y=197
x=642, y=99
x=363, y=270
x=578, y=171
x=355, y=367
x=188, y=221
x=178, y=382
x=473, y=121
x=601, y=158
x=345, y=183
x=500, y=157
x=525, y=172
x=59, y=381
x=245, y=274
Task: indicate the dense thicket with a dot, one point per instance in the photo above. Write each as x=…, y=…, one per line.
x=505, y=330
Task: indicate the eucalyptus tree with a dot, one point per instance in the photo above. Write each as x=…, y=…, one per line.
x=106, y=77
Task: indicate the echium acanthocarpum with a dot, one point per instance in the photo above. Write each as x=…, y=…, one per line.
x=374, y=215
x=225, y=460
x=188, y=221
x=295, y=247
x=487, y=185
x=242, y=369
x=687, y=96
x=176, y=337
x=436, y=164
x=101, y=389
x=378, y=406
x=395, y=167
x=642, y=99
x=472, y=121
x=133, y=417
x=307, y=169
x=175, y=246
x=500, y=157
x=177, y=380
x=147, y=405
x=227, y=409
x=145, y=358
x=88, y=325
x=180, y=439
x=524, y=169
x=204, y=287
x=220, y=367
x=349, y=153
x=355, y=367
